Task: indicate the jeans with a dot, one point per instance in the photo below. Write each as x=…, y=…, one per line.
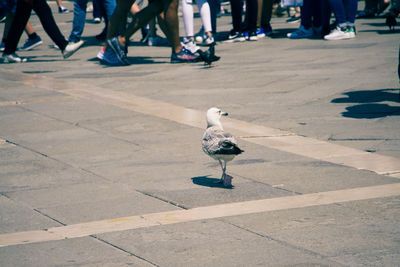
x=345, y=11
x=80, y=16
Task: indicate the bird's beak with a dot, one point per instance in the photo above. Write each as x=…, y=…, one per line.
x=224, y=113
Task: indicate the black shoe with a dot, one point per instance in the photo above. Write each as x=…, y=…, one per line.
x=251, y=36
x=62, y=10
x=235, y=36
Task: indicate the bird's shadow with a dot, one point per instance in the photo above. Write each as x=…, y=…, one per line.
x=210, y=182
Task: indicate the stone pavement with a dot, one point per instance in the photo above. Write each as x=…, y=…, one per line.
x=102, y=166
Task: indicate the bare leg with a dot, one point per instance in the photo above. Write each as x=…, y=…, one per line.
x=134, y=9
x=152, y=10
x=29, y=29
x=119, y=17
x=172, y=23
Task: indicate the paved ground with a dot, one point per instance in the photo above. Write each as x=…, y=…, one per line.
x=103, y=166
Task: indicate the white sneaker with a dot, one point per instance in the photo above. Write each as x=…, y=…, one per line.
x=12, y=58
x=301, y=33
x=339, y=34
x=190, y=45
x=208, y=40
x=100, y=54
x=71, y=48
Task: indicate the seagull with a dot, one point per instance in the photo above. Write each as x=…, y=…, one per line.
x=218, y=144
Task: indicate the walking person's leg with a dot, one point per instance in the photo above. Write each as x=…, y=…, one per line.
x=21, y=17
x=78, y=23
x=46, y=18
x=342, y=31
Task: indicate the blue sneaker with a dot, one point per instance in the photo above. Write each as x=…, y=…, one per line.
x=119, y=50
x=108, y=57
x=2, y=46
x=260, y=32
x=31, y=43
x=184, y=56
x=250, y=35
x=301, y=33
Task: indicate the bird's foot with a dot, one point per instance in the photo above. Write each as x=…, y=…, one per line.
x=228, y=180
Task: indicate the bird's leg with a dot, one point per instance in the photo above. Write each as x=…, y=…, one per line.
x=227, y=177
x=223, y=171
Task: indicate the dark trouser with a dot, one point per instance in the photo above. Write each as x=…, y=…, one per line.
x=264, y=13
x=98, y=10
x=22, y=14
x=236, y=12
x=395, y=8
x=371, y=5
x=251, y=14
x=215, y=7
x=311, y=13
x=325, y=16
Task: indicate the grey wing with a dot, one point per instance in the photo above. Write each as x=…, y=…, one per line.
x=210, y=142
x=219, y=142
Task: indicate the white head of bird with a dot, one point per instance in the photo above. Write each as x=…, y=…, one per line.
x=213, y=117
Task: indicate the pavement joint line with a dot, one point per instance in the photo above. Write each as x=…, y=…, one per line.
x=199, y=213
x=173, y=203
x=285, y=243
x=277, y=139
x=122, y=249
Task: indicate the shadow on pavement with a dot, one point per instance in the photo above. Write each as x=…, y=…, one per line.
x=209, y=182
x=396, y=31
x=368, y=107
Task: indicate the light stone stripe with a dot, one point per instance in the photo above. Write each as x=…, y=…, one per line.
x=261, y=135
x=201, y=213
